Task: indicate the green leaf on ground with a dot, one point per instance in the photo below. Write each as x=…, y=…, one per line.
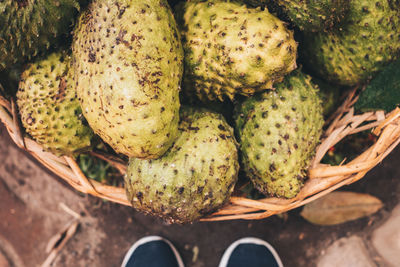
x=340, y=207
x=383, y=92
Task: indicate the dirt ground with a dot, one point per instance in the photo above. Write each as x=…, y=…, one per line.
x=29, y=217
x=298, y=242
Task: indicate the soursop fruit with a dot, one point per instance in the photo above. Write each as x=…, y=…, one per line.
x=368, y=40
x=233, y=49
x=194, y=178
x=128, y=63
x=278, y=132
x=259, y=3
x=49, y=108
x=29, y=28
x=9, y=78
x=309, y=15
x=329, y=95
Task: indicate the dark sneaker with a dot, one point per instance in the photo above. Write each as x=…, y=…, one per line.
x=152, y=251
x=250, y=252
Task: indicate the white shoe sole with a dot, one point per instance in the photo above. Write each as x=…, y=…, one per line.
x=248, y=240
x=149, y=239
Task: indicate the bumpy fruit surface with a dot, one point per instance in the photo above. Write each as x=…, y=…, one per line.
x=329, y=95
x=309, y=15
x=278, y=133
x=9, y=79
x=29, y=28
x=49, y=108
x=233, y=49
x=367, y=41
x=194, y=178
x=257, y=3
x=128, y=66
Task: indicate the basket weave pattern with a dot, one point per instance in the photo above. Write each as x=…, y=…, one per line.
x=323, y=179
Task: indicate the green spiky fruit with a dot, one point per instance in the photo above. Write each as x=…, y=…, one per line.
x=232, y=49
x=258, y=3
x=29, y=28
x=278, y=132
x=368, y=40
x=194, y=178
x=49, y=109
x=314, y=16
x=309, y=15
x=9, y=78
x=329, y=94
x=128, y=67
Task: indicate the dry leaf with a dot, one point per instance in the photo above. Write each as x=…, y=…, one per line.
x=340, y=207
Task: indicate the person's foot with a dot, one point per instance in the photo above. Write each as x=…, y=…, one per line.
x=250, y=252
x=152, y=251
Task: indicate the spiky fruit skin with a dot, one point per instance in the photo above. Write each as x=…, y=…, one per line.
x=9, y=79
x=128, y=67
x=314, y=15
x=329, y=95
x=257, y=3
x=49, y=109
x=194, y=178
x=309, y=15
x=232, y=49
x=368, y=40
x=30, y=27
x=278, y=132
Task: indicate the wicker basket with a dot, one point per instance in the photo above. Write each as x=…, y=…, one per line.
x=323, y=179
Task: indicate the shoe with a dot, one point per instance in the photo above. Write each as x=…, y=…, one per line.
x=250, y=252
x=152, y=251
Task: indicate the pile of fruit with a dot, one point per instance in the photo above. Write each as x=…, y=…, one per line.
x=156, y=85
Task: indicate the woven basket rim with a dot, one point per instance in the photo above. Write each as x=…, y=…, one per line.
x=322, y=178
